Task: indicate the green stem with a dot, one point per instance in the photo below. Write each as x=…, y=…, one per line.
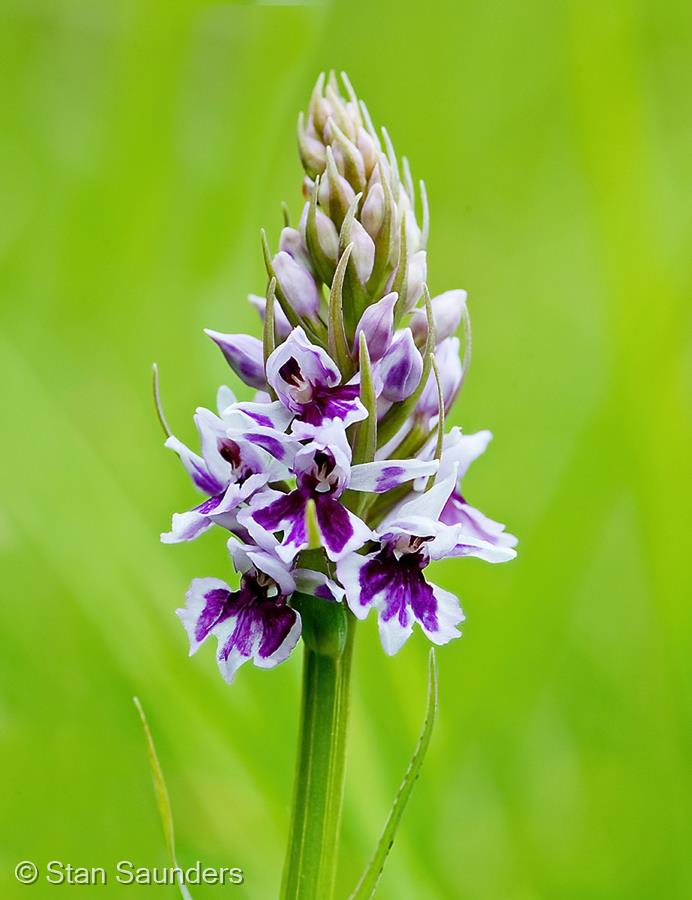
x=311, y=858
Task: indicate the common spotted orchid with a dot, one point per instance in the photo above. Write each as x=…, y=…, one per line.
x=336, y=484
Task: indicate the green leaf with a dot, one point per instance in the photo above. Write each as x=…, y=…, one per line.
x=338, y=345
x=367, y=885
x=440, y=418
x=400, y=285
x=366, y=439
x=312, y=527
x=268, y=334
x=355, y=296
x=161, y=792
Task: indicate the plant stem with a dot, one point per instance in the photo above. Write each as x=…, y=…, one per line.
x=311, y=858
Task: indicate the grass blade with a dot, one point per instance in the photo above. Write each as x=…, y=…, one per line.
x=369, y=880
x=162, y=799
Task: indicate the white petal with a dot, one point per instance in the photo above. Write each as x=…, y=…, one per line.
x=449, y=615
x=393, y=634
x=348, y=571
x=389, y=473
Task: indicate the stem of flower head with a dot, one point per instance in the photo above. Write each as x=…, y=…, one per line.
x=310, y=866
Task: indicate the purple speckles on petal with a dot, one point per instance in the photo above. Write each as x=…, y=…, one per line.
x=209, y=505
x=270, y=444
x=389, y=478
x=338, y=403
x=334, y=522
x=216, y=603
x=324, y=593
x=204, y=480
x=277, y=623
x=264, y=421
x=423, y=602
x=242, y=638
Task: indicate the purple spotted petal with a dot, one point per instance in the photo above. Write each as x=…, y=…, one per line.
x=458, y=512
x=338, y=404
x=265, y=630
x=285, y=514
x=377, y=324
x=401, y=368
x=196, y=467
x=208, y=604
x=297, y=367
x=342, y=532
x=244, y=354
x=277, y=622
x=189, y=525
x=385, y=475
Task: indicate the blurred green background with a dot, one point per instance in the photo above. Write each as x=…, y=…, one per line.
x=142, y=146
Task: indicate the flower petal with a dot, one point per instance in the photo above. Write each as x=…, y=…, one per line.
x=317, y=584
x=438, y=613
x=196, y=467
x=386, y=474
x=244, y=354
x=348, y=570
x=282, y=629
x=277, y=512
x=306, y=361
x=266, y=415
x=207, y=605
x=342, y=532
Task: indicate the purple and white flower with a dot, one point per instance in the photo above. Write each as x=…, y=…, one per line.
x=323, y=472
x=390, y=579
x=461, y=450
x=229, y=471
x=278, y=471
x=252, y=622
x=308, y=382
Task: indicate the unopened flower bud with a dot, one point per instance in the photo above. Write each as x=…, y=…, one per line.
x=327, y=234
x=363, y=254
x=414, y=237
x=281, y=323
x=312, y=151
x=415, y=278
x=291, y=240
x=449, y=367
x=368, y=150
x=347, y=156
x=447, y=310
x=372, y=214
x=377, y=324
x=244, y=354
x=335, y=194
x=297, y=285
x=401, y=367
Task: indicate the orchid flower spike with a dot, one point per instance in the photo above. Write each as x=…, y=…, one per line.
x=339, y=478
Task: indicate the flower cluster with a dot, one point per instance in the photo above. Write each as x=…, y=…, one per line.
x=338, y=479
